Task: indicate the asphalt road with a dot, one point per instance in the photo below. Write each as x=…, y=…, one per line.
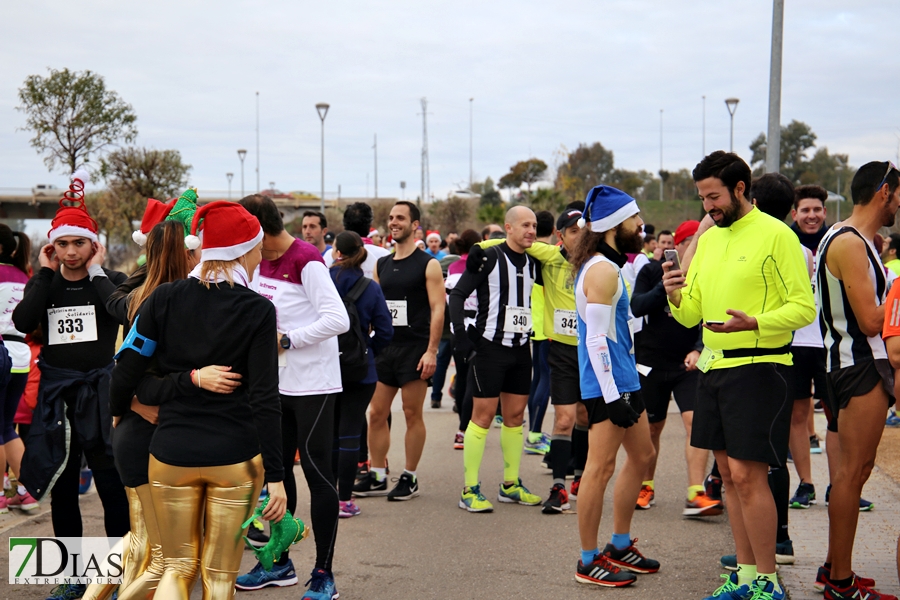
x=429, y=548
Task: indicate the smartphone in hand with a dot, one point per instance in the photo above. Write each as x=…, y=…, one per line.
x=672, y=257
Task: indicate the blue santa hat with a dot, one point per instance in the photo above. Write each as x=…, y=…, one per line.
x=605, y=207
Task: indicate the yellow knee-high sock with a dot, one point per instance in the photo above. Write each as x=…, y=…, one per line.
x=511, y=441
x=473, y=451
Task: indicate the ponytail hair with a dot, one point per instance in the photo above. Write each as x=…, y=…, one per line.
x=350, y=245
x=15, y=248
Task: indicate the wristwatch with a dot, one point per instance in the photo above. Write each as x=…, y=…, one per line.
x=285, y=342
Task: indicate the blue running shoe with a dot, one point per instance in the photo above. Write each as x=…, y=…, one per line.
x=67, y=591
x=258, y=578
x=321, y=586
x=730, y=590
x=763, y=589
x=893, y=420
x=729, y=562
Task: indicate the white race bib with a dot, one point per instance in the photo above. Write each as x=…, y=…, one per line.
x=397, y=308
x=71, y=325
x=565, y=322
x=518, y=320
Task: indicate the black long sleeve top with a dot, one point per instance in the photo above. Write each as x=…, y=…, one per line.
x=194, y=327
x=118, y=302
x=49, y=290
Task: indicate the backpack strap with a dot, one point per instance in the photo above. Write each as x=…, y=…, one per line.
x=354, y=293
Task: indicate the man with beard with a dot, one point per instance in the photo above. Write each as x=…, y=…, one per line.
x=413, y=286
x=850, y=289
x=610, y=389
x=749, y=286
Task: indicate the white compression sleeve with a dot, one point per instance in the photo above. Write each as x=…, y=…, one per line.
x=597, y=325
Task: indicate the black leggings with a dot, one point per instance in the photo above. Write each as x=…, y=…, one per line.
x=64, y=508
x=350, y=416
x=463, y=394
x=307, y=424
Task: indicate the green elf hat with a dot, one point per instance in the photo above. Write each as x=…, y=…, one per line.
x=184, y=209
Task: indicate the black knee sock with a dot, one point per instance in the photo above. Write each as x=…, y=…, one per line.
x=579, y=448
x=560, y=455
x=715, y=470
x=780, y=484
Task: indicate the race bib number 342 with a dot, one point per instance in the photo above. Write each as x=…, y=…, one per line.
x=71, y=325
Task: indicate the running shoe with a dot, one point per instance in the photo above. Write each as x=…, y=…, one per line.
x=602, y=572
x=818, y=407
x=321, y=586
x=256, y=533
x=784, y=553
x=407, y=488
x=630, y=559
x=558, y=500
x=473, y=500
x=84, y=481
x=518, y=494
x=370, y=486
x=824, y=573
x=498, y=421
x=855, y=591
x=4, y=504
x=67, y=591
x=702, y=506
x=348, y=509
x=297, y=458
x=435, y=403
x=814, y=446
x=459, y=442
x=730, y=590
x=713, y=487
x=804, y=497
x=573, y=491
x=538, y=447
x=864, y=505
x=893, y=420
x=23, y=502
x=258, y=578
x=362, y=469
x=790, y=457
x=729, y=562
x=646, y=498
x=545, y=462
x=763, y=589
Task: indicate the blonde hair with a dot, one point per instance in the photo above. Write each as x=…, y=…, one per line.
x=209, y=269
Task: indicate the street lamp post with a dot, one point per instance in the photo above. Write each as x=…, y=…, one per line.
x=322, y=109
x=272, y=187
x=731, y=103
x=403, y=189
x=470, y=143
x=241, y=155
x=704, y=126
x=661, y=182
x=229, y=176
x=838, y=169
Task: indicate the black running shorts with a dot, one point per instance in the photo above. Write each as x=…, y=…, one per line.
x=500, y=369
x=659, y=386
x=854, y=381
x=807, y=371
x=398, y=364
x=745, y=411
x=596, y=407
x=565, y=380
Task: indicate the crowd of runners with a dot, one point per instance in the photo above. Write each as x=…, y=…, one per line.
x=190, y=389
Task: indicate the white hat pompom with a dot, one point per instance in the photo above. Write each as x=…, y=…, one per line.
x=139, y=237
x=581, y=223
x=192, y=242
x=82, y=175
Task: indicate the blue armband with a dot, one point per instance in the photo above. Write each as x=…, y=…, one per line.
x=147, y=346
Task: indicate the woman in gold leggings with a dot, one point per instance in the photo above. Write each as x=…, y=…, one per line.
x=211, y=452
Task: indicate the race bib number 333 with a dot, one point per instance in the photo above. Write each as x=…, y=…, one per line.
x=71, y=325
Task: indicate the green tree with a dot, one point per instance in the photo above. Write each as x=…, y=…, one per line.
x=585, y=168
x=492, y=213
x=72, y=116
x=489, y=195
x=796, y=139
x=546, y=199
x=525, y=171
x=451, y=214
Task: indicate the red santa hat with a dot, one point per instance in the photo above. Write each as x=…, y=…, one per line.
x=74, y=219
x=155, y=213
x=433, y=234
x=229, y=231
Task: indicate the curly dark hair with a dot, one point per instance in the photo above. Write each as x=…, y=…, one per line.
x=358, y=218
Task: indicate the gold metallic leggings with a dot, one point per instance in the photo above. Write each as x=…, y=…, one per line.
x=142, y=560
x=193, y=502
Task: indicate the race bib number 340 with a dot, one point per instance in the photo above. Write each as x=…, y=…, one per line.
x=518, y=320
x=71, y=325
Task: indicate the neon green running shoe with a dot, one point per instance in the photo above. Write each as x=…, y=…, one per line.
x=518, y=493
x=473, y=500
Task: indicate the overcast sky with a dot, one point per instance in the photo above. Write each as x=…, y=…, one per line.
x=544, y=76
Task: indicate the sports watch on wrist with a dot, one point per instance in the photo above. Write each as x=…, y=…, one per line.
x=285, y=342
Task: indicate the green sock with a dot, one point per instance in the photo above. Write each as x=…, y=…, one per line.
x=534, y=438
x=473, y=451
x=693, y=491
x=648, y=483
x=770, y=577
x=746, y=574
x=511, y=444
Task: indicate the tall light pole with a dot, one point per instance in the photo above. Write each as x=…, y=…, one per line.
x=257, y=142
x=403, y=190
x=838, y=169
x=661, y=154
x=272, y=187
x=773, y=139
x=322, y=109
x=471, y=180
x=731, y=103
x=704, y=126
x=229, y=176
x=376, y=165
x=241, y=154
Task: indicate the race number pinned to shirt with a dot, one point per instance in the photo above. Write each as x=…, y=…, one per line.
x=518, y=320
x=397, y=308
x=565, y=322
x=71, y=325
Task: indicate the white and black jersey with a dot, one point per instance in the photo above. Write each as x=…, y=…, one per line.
x=502, y=280
x=845, y=343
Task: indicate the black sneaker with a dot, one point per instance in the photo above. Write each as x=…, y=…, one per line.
x=256, y=533
x=602, y=572
x=370, y=486
x=407, y=488
x=435, y=403
x=804, y=497
x=630, y=559
x=545, y=461
x=558, y=500
x=713, y=487
x=362, y=469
